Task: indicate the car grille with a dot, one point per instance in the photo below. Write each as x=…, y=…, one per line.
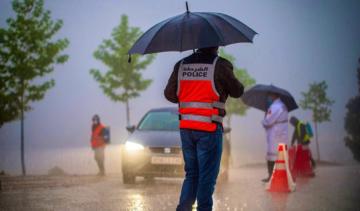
x=161, y=150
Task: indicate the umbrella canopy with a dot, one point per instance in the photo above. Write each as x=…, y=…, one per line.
x=193, y=30
x=257, y=97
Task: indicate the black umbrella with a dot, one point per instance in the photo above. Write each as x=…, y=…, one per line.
x=257, y=97
x=193, y=30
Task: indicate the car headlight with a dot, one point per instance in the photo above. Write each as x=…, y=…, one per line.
x=132, y=146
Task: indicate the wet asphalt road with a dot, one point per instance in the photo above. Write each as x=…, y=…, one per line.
x=333, y=188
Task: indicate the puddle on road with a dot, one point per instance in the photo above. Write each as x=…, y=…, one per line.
x=136, y=202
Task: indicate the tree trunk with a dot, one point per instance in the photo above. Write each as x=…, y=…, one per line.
x=228, y=122
x=22, y=136
x=317, y=141
x=127, y=113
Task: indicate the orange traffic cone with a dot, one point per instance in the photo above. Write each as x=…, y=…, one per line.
x=302, y=165
x=281, y=179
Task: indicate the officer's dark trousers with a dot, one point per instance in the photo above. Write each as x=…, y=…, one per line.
x=202, y=156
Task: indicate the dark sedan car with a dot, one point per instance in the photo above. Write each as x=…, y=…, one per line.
x=154, y=148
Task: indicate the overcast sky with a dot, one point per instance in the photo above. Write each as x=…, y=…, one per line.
x=299, y=42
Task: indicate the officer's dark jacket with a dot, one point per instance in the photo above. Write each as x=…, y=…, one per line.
x=225, y=82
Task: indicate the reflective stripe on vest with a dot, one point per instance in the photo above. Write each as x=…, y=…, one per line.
x=217, y=104
x=198, y=98
x=200, y=118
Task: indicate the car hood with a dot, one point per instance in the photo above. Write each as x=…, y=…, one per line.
x=156, y=138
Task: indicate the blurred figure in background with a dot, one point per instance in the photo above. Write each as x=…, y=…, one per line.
x=302, y=135
x=276, y=126
x=98, y=143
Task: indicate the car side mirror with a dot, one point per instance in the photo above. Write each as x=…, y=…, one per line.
x=227, y=130
x=130, y=128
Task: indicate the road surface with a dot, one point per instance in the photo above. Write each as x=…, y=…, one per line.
x=333, y=188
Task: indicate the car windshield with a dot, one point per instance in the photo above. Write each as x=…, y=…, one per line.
x=160, y=120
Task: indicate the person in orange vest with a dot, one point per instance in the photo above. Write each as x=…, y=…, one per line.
x=98, y=143
x=200, y=84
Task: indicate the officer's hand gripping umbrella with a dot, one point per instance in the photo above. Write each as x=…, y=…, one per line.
x=192, y=30
x=257, y=97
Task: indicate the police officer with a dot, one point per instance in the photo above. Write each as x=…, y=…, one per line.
x=98, y=143
x=275, y=124
x=200, y=84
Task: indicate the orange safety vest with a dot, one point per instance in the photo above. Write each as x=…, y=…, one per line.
x=198, y=98
x=96, y=139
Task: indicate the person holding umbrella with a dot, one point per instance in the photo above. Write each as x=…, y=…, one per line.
x=276, y=102
x=275, y=124
x=200, y=84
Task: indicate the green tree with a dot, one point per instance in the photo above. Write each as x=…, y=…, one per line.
x=27, y=53
x=316, y=100
x=236, y=106
x=352, y=122
x=122, y=81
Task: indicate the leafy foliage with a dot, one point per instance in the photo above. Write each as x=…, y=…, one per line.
x=316, y=100
x=27, y=53
x=122, y=81
x=236, y=106
x=352, y=122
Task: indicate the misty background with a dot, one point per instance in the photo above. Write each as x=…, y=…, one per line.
x=299, y=42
